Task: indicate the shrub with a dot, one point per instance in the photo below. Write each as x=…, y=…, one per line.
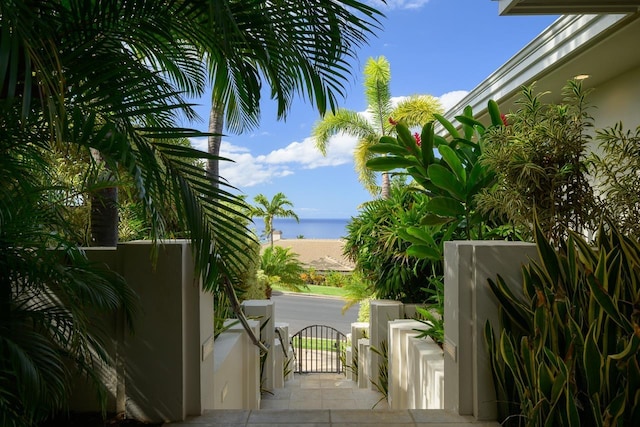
x=569, y=350
x=539, y=158
x=282, y=268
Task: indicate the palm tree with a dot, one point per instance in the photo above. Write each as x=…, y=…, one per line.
x=414, y=111
x=111, y=76
x=271, y=209
x=298, y=47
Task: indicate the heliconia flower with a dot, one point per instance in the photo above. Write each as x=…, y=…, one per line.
x=418, y=140
x=393, y=122
x=504, y=119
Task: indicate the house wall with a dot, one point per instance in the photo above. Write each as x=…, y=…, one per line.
x=617, y=99
x=165, y=369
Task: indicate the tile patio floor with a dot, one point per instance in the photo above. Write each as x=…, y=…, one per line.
x=327, y=400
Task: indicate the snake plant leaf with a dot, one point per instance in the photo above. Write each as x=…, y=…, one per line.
x=616, y=408
x=596, y=411
x=451, y=158
x=545, y=380
x=389, y=163
x=445, y=179
x=445, y=206
x=572, y=410
x=548, y=256
x=592, y=359
x=508, y=355
x=386, y=148
x=608, y=305
x=631, y=350
x=512, y=306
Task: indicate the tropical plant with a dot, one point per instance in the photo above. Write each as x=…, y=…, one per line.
x=50, y=294
x=282, y=267
x=568, y=351
x=296, y=47
x=540, y=162
x=274, y=208
x=369, y=128
x=378, y=251
x=107, y=80
x=453, y=180
x=358, y=290
x=432, y=315
x=615, y=170
x=381, y=380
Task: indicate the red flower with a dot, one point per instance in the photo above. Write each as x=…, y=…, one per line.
x=504, y=119
x=393, y=122
x=418, y=140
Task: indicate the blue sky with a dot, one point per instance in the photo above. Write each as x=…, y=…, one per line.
x=442, y=48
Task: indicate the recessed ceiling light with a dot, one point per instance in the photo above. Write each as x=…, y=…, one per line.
x=582, y=76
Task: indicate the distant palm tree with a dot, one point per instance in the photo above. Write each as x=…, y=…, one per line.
x=415, y=110
x=270, y=209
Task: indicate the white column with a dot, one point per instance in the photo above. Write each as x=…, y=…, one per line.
x=398, y=360
x=358, y=330
x=382, y=311
x=264, y=311
x=364, y=362
x=469, y=303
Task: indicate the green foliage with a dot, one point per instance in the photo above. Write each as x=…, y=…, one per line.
x=274, y=208
x=381, y=381
x=453, y=180
x=312, y=277
x=364, y=313
x=569, y=349
x=616, y=171
x=51, y=295
x=380, y=254
x=432, y=316
x=282, y=267
x=414, y=110
x=540, y=162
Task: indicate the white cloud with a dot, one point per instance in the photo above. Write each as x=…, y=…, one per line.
x=248, y=170
x=450, y=99
x=398, y=4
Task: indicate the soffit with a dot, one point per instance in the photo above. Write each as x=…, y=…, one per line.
x=602, y=46
x=559, y=7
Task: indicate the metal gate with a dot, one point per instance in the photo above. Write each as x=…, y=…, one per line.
x=319, y=348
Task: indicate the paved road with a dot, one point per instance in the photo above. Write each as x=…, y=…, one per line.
x=300, y=311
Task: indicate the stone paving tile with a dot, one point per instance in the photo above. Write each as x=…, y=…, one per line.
x=306, y=394
x=438, y=416
x=306, y=404
x=372, y=417
x=289, y=416
x=338, y=403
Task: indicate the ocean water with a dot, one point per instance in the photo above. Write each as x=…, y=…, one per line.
x=310, y=228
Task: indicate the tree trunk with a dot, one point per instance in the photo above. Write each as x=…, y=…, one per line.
x=216, y=124
x=385, y=190
x=104, y=210
x=271, y=230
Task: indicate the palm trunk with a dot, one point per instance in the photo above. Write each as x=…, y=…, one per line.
x=271, y=230
x=216, y=124
x=104, y=210
x=385, y=190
